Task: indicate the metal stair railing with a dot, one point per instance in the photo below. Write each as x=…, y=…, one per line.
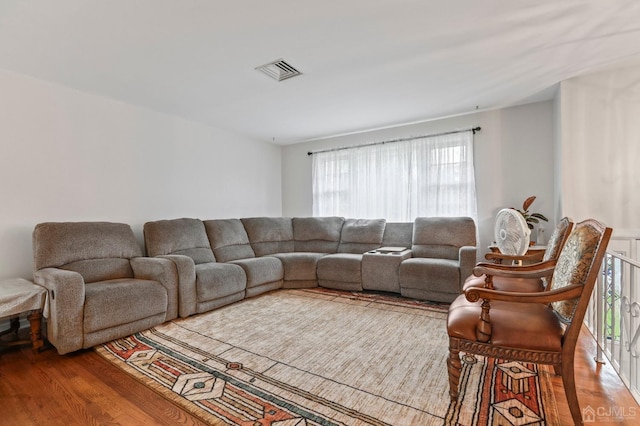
x=613, y=318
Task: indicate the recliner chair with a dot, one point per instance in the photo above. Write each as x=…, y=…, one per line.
x=444, y=254
x=100, y=288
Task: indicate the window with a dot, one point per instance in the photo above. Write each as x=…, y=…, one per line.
x=399, y=181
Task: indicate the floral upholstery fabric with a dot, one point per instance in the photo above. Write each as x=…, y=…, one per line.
x=553, y=246
x=573, y=267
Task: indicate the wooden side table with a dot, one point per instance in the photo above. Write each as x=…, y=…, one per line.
x=535, y=252
x=18, y=296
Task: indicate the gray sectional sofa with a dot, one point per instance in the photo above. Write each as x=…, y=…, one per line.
x=100, y=286
x=224, y=260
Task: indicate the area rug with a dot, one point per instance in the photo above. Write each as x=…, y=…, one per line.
x=321, y=357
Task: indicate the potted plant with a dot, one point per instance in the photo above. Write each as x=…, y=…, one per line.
x=532, y=219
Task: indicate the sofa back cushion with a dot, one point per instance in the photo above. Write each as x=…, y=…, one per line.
x=269, y=235
x=228, y=239
x=184, y=236
x=442, y=237
x=317, y=234
x=96, y=250
x=397, y=234
x=361, y=235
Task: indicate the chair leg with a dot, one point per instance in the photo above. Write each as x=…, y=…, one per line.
x=35, y=321
x=454, y=367
x=569, y=382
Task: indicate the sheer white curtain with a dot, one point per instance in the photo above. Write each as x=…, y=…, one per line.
x=398, y=181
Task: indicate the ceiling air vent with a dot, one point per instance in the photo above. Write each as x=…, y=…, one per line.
x=279, y=70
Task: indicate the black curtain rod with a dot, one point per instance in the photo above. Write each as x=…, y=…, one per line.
x=474, y=130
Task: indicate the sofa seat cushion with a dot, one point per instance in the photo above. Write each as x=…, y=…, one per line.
x=216, y=280
x=345, y=267
x=526, y=285
x=300, y=266
x=536, y=327
x=442, y=275
x=261, y=270
x=115, y=302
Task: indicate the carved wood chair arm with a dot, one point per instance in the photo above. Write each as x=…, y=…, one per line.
x=569, y=292
x=535, y=256
x=536, y=270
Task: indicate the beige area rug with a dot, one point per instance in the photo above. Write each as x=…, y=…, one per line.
x=322, y=357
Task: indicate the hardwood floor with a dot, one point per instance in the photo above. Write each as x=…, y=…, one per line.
x=77, y=389
x=598, y=386
x=83, y=389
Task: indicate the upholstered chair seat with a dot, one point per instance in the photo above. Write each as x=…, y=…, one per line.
x=532, y=326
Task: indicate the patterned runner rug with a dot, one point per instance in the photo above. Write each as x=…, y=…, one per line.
x=322, y=357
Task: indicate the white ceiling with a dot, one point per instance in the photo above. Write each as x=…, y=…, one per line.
x=366, y=63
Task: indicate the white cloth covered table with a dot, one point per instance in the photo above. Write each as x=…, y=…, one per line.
x=18, y=295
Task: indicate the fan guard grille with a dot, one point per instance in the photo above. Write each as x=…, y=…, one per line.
x=511, y=232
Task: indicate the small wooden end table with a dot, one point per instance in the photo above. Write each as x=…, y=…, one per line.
x=18, y=296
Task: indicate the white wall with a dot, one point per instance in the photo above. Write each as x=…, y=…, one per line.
x=71, y=156
x=600, y=155
x=513, y=160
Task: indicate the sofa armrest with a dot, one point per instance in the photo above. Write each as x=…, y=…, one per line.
x=186, y=269
x=66, y=307
x=467, y=258
x=163, y=271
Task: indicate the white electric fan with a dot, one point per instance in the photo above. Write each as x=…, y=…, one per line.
x=511, y=232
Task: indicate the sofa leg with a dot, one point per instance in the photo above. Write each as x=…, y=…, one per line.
x=454, y=367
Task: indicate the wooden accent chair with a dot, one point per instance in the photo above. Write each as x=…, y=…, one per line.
x=528, y=277
x=537, y=327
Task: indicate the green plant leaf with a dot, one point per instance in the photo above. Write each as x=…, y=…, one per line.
x=540, y=216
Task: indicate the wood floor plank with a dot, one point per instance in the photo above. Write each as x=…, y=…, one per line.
x=84, y=389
